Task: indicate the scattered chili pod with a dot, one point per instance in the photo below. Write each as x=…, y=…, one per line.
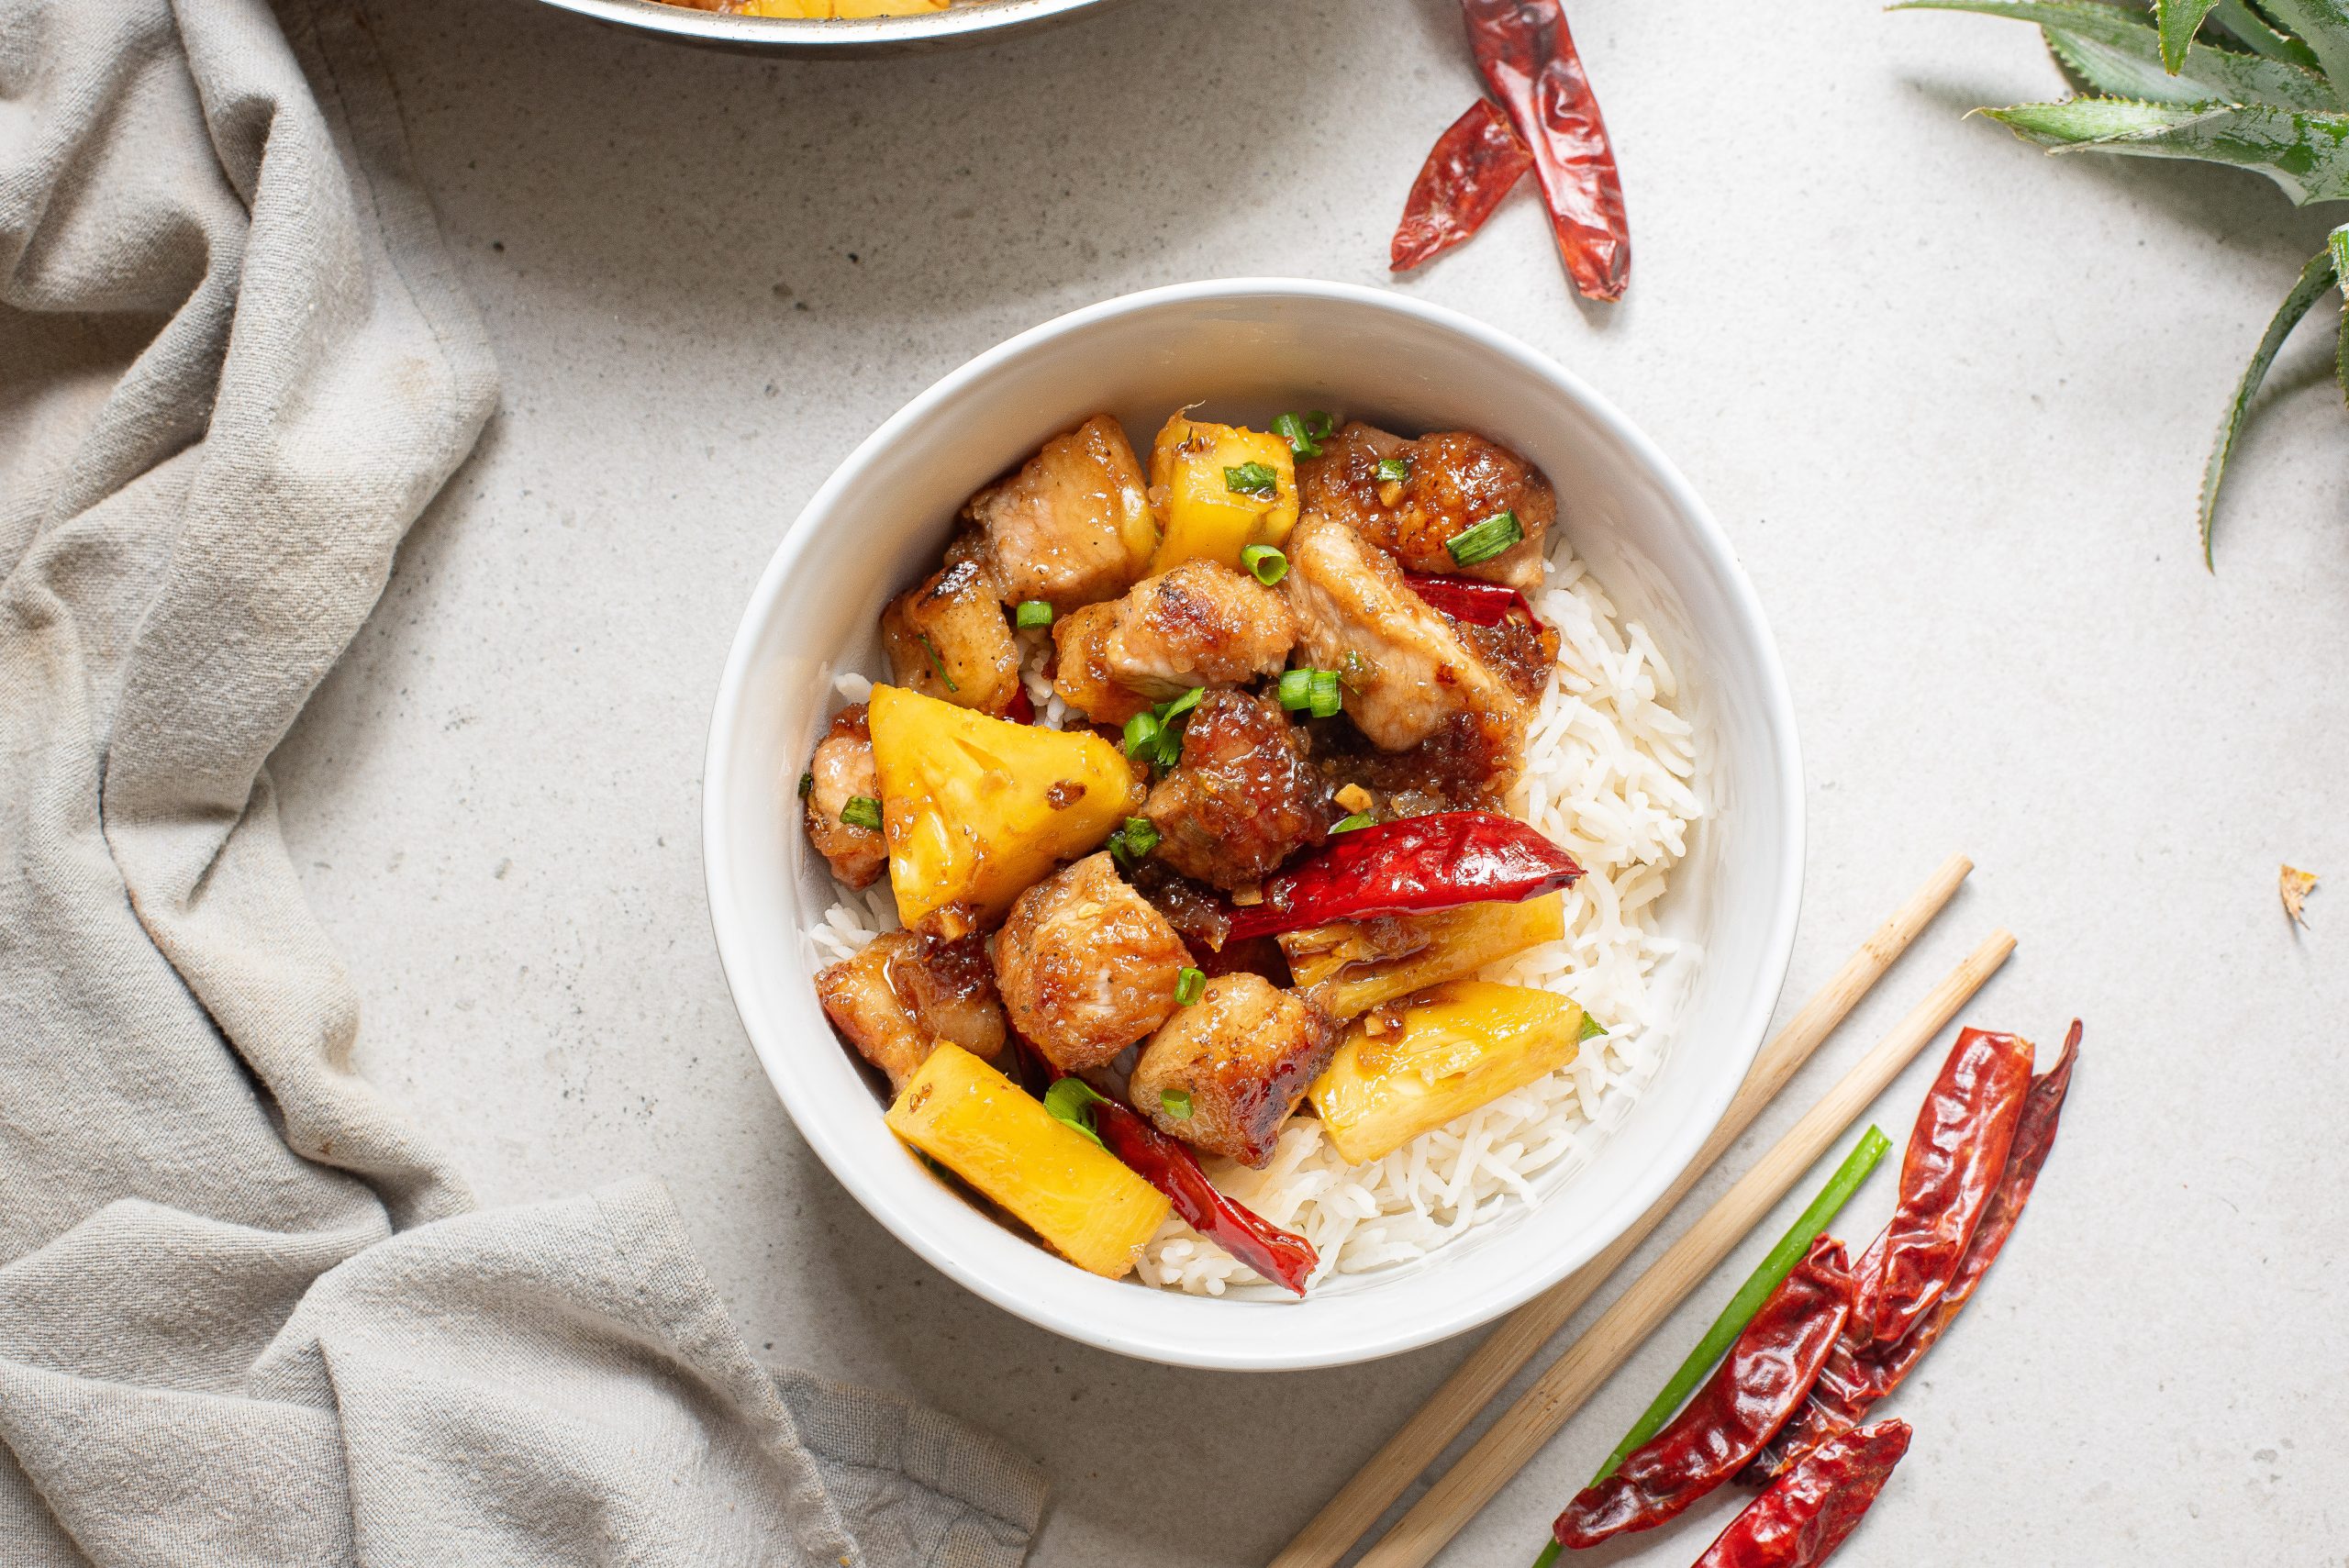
x=1476, y=162
x=1857, y=1377
x=1021, y=708
x=1807, y=1512
x=1471, y=599
x=1965, y=1131
x=1528, y=60
x=1437, y=861
x=1759, y=1384
x=1167, y=1164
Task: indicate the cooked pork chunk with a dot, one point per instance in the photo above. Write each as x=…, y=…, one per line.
x=1086, y=966
x=1073, y=527
x=1456, y=481
x=1200, y=624
x=947, y=638
x=905, y=992
x=841, y=770
x=1520, y=651
x=1238, y=1060
x=1409, y=678
x=1244, y=797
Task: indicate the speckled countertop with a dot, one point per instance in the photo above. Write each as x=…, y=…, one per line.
x=1950, y=399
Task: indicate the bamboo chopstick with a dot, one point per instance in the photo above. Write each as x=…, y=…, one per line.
x=1560, y=1391
x=1357, y=1505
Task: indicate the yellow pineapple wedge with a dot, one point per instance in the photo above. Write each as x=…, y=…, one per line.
x=1225, y=488
x=1438, y=1057
x=1065, y=1187
x=976, y=809
x=1458, y=942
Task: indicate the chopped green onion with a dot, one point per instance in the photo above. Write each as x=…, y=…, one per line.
x=1394, y=470
x=1175, y=1103
x=937, y=667
x=862, y=811
x=1486, y=540
x=1742, y=1306
x=1359, y=819
x=1297, y=689
x=807, y=785
x=1032, y=612
x=1591, y=1029
x=1071, y=1101
x=1169, y=712
x=1327, y=698
x=1293, y=430
x=1141, y=733
x=1268, y=565
x=1252, y=479
x=1135, y=839
x=1319, y=425
x=1188, y=985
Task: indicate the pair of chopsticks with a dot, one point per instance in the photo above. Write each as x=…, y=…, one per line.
x=1559, y=1391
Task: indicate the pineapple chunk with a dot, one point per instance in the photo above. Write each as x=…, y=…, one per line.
x=1352, y=978
x=822, y=9
x=1457, y=1046
x=1069, y=1190
x=1201, y=516
x=976, y=809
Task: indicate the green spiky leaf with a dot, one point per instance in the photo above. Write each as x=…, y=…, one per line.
x=2119, y=52
x=2323, y=26
x=2253, y=32
x=2336, y=245
x=2315, y=278
x=2180, y=21
x=2305, y=152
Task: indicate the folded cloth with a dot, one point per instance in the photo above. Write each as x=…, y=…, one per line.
x=247, y=1314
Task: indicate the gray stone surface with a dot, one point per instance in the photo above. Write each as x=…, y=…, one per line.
x=1950, y=398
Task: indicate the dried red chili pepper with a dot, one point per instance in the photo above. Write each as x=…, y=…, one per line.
x=1760, y=1383
x=1471, y=599
x=1471, y=166
x=1021, y=708
x=1965, y=1131
x=1437, y=861
x=1167, y=1164
x=1528, y=60
x=1857, y=1377
x=1807, y=1512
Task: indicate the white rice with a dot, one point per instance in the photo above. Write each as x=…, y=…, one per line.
x=1609, y=775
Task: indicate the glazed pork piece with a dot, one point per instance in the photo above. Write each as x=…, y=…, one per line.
x=1457, y=480
x=841, y=770
x=1409, y=679
x=1086, y=966
x=1200, y=624
x=1225, y=1072
x=1244, y=797
x=905, y=992
x=947, y=638
x=1073, y=527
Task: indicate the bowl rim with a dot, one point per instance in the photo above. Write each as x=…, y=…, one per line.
x=736, y=956
x=844, y=35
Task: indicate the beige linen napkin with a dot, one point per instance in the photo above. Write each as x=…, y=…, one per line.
x=246, y=1314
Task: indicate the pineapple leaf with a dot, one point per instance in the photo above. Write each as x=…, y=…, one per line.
x=2336, y=245
x=2323, y=26
x=2253, y=32
x=2305, y=152
x=2315, y=278
x=2180, y=21
x=2116, y=51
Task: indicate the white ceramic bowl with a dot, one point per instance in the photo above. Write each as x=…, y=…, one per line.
x=1250, y=348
